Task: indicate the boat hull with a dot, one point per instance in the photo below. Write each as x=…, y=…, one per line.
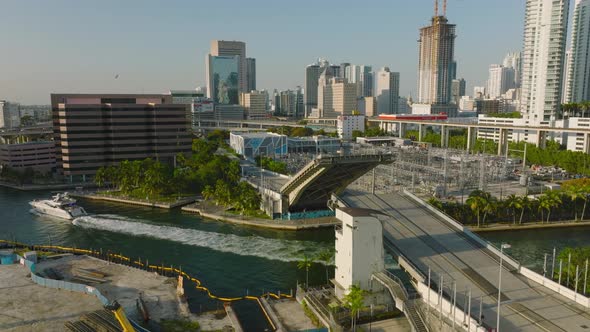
x=48, y=210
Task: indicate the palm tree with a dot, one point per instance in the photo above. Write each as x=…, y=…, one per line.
x=554, y=200
x=544, y=204
x=100, y=177
x=525, y=203
x=585, y=190
x=354, y=302
x=585, y=106
x=575, y=193
x=489, y=206
x=476, y=204
x=326, y=256
x=305, y=263
x=513, y=202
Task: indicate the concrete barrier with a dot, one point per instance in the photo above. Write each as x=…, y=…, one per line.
x=469, y=324
x=508, y=260
x=554, y=286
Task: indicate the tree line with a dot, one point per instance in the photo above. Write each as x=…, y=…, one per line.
x=271, y=164
x=208, y=170
x=554, y=154
x=481, y=208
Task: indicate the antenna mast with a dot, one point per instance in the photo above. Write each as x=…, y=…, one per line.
x=445, y=8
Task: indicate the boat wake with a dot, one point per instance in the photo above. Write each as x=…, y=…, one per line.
x=274, y=249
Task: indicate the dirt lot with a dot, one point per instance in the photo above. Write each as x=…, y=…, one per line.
x=124, y=284
x=26, y=306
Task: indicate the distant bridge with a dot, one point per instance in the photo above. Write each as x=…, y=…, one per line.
x=311, y=188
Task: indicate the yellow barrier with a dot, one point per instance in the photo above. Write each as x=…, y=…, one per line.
x=155, y=267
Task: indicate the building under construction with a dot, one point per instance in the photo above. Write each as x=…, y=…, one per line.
x=436, y=65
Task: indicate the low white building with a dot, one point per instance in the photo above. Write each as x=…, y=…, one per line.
x=346, y=124
x=251, y=145
x=572, y=141
x=359, y=252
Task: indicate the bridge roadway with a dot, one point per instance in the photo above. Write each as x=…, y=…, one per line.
x=428, y=241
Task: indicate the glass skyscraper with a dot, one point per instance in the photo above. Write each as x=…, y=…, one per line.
x=223, y=79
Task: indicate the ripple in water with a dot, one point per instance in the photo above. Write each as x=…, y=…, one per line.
x=274, y=249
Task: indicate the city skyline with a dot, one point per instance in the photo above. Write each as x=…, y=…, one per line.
x=90, y=57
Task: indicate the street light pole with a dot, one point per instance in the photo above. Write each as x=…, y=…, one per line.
x=502, y=247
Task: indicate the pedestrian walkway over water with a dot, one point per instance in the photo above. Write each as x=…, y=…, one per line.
x=424, y=240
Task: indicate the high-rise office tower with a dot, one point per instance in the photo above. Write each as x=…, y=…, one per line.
x=501, y=79
x=457, y=90
x=545, y=30
x=312, y=75
x=254, y=103
x=436, y=58
x=343, y=69
x=9, y=114
x=362, y=76
x=567, y=83
x=579, y=73
x=251, y=74
x=335, y=70
x=335, y=97
x=453, y=70
x=299, y=106
x=110, y=128
x=223, y=79
x=514, y=61
x=233, y=48
x=387, y=91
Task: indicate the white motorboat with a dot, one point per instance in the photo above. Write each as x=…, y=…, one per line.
x=60, y=205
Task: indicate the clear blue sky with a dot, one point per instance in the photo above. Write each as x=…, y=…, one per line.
x=79, y=46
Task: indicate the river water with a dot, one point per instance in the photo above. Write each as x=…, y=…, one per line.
x=230, y=260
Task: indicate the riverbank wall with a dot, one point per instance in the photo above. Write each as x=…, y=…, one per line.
x=134, y=201
x=528, y=226
x=255, y=222
x=49, y=186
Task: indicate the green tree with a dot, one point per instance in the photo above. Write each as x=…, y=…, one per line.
x=576, y=193
x=100, y=177
x=544, y=205
x=514, y=203
x=525, y=203
x=553, y=201
x=354, y=301
x=326, y=257
x=305, y=264
x=27, y=120
x=480, y=201
x=357, y=133
x=579, y=257
x=435, y=202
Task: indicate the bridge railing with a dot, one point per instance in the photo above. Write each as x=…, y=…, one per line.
x=404, y=261
x=400, y=283
x=509, y=260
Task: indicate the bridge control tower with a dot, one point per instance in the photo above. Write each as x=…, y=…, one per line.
x=359, y=253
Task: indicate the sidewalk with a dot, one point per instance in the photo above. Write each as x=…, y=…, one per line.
x=528, y=226
x=217, y=213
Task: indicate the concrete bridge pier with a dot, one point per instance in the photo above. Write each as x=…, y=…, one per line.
x=542, y=139
x=471, y=138
x=502, y=141
x=444, y=136
x=421, y=132
x=402, y=129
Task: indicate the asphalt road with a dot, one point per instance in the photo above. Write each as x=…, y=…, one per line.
x=429, y=242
